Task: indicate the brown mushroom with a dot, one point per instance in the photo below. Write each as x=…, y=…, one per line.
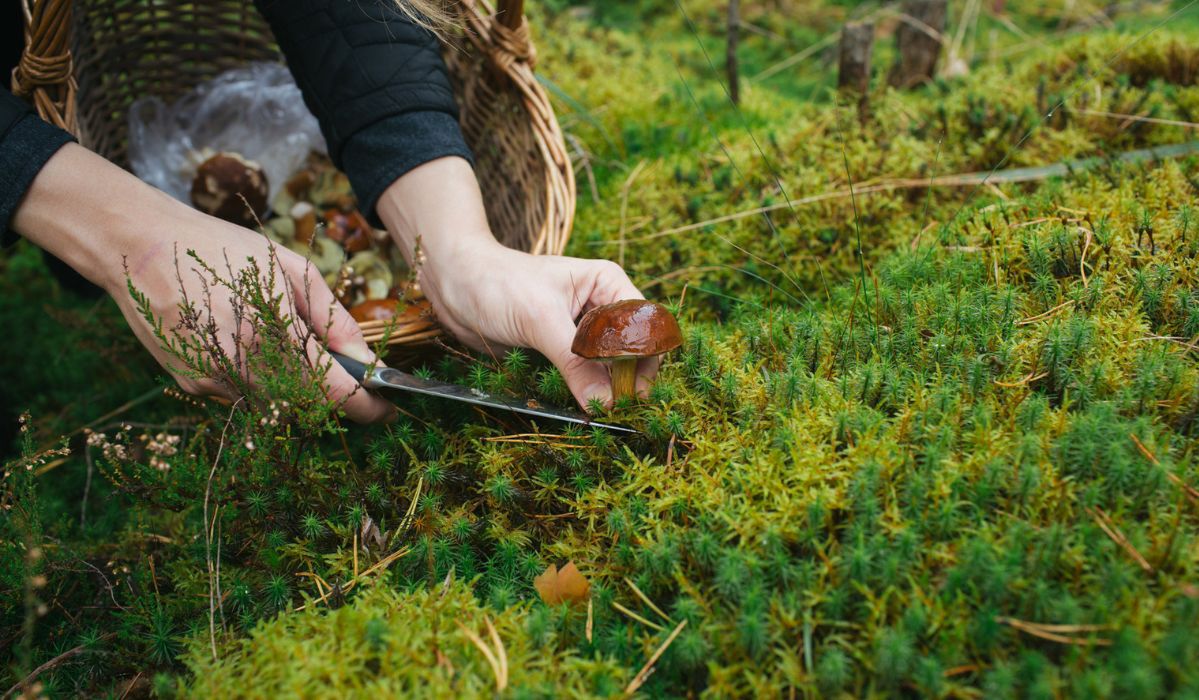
x=300, y=184
x=232, y=188
x=622, y=333
x=304, y=216
x=376, y=310
x=388, y=309
x=350, y=229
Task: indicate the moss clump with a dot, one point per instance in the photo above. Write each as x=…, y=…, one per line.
x=387, y=643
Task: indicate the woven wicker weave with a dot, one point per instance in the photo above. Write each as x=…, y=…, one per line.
x=86, y=61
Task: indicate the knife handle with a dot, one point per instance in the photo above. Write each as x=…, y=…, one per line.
x=356, y=369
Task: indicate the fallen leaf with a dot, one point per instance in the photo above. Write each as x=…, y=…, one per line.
x=565, y=585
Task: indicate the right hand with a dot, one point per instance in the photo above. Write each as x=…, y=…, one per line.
x=116, y=221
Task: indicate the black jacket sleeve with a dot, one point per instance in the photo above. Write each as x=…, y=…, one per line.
x=26, y=143
x=376, y=83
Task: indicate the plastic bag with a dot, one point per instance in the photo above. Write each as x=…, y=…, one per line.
x=256, y=110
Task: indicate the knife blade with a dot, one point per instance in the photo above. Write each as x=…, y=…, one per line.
x=393, y=379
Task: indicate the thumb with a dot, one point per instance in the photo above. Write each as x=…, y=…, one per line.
x=587, y=379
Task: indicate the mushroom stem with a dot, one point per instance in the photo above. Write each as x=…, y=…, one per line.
x=624, y=377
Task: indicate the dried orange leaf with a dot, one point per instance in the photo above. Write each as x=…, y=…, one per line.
x=565, y=585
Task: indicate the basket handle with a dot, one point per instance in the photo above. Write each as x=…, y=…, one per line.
x=45, y=75
x=511, y=13
x=509, y=33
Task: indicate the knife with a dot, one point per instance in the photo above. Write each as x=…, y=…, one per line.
x=393, y=379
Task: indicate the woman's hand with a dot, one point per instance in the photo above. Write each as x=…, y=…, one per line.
x=496, y=298
x=492, y=297
x=115, y=223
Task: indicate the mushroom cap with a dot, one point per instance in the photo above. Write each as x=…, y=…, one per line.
x=630, y=328
x=350, y=229
x=376, y=310
x=221, y=179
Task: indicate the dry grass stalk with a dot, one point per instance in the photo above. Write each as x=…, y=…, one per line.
x=648, y=668
x=498, y=659
x=380, y=565
x=638, y=618
x=1030, y=377
x=1048, y=314
x=645, y=599
x=1058, y=633
x=213, y=583
x=590, y=617
x=1191, y=492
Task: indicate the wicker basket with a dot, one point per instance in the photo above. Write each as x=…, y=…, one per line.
x=86, y=61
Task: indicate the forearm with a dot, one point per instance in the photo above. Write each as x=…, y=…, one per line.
x=93, y=215
x=437, y=207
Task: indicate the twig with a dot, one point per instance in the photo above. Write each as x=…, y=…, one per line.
x=1030, y=377
x=66, y=655
x=1192, y=346
x=132, y=403
x=975, y=179
x=1138, y=118
x=130, y=685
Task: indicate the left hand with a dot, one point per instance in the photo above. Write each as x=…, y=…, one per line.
x=499, y=298
x=492, y=297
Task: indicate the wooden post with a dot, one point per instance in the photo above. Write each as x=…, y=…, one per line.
x=857, y=47
x=730, y=58
x=918, y=41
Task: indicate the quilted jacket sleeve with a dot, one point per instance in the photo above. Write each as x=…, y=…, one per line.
x=375, y=82
x=26, y=143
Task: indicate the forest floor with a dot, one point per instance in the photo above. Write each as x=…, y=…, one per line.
x=934, y=441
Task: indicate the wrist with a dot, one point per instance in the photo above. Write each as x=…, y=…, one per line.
x=437, y=208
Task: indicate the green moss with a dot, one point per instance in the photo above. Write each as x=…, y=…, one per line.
x=862, y=475
x=388, y=643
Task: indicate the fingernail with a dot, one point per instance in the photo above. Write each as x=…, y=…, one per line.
x=597, y=392
x=360, y=352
